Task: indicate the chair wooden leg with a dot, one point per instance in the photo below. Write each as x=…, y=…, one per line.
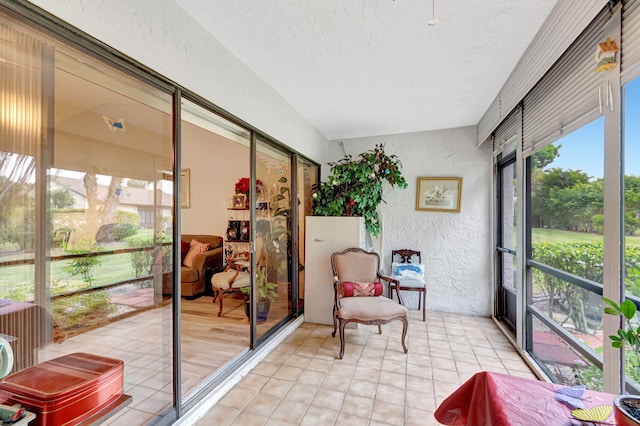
x=220, y=296
x=379, y=329
x=419, y=302
x=405, y=325
x=342, y=324
x=424, y=305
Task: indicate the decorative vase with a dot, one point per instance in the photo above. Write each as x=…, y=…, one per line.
x=626, y=410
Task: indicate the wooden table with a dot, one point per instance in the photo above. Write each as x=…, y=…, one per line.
x=497, y=399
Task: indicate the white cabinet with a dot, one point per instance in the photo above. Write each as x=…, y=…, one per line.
x=325, y=236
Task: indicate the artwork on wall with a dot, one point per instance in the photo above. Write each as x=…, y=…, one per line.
x=185, y=184
x=439, y=194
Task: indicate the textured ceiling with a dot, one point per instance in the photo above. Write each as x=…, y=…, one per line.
x=357, y=68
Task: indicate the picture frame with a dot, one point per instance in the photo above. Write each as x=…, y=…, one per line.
x=439, y=194
x=238, y=201
x=185, y=186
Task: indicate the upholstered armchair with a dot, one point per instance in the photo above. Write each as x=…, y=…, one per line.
x=359, y=294
x=192, y=277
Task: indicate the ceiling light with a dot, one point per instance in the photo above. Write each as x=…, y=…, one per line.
x=433, y=21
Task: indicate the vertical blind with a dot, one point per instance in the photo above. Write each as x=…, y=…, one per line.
x=630, y=57
x=569, y=95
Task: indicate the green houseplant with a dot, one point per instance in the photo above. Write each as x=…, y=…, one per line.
x=627, y=407
x=267, y=293
x=354, y=186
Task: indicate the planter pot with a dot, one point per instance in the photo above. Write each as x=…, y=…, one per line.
x=263, y=309
x=247, y=308
x=626, y=409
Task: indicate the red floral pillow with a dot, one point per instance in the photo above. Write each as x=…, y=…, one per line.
x=184, y=249
x=195, y=248
x=349, y=289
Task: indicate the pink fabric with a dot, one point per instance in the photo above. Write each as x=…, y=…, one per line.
x=497, y=399
x=195, y=248
x=349, y=289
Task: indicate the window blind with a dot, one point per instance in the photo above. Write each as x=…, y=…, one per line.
x=630, y=58
x=505, y=132
x=568, y=96
x=565, y=22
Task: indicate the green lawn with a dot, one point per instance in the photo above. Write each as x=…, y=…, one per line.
x=558, y=235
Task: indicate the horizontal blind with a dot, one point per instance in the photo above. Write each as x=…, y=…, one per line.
x=563, y=25
x=489, y=121
x=567, y=97
x=630, y=59
x=505, y=132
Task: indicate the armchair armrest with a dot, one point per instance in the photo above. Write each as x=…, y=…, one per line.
x=336, y=292
x=393, y=283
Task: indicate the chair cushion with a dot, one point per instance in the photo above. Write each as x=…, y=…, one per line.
x=348, y=289
x=195, y=248
x=221, y=280
x=412, y=283
x=407, y=271
x=370, y=308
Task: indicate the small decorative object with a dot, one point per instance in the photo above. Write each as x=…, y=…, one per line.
x=572, y=396
x=243, y=185
x=354, y=187
x=114, y=125
x=239, y=201
x=606, y=55
x=598, y=414
x=441, y=194
x=185, y=184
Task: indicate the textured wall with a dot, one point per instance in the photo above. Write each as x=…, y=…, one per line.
x=456, y=247
x=160, y=35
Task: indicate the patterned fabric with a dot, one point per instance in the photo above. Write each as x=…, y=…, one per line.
x=349, y=289
x=195, y=248
x=407, y=271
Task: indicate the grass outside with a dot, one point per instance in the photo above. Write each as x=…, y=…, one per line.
x=540, y=235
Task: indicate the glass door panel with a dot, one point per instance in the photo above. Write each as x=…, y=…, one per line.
x=273, y=245
x=308, y=176
x=506, y=243
x=215, y=158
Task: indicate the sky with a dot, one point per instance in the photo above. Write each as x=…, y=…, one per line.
x=584, y=148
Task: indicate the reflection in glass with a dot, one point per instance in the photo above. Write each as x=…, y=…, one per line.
x=273, y=237
x=84, y=210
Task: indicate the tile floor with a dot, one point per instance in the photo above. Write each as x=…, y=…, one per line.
x=302, y=383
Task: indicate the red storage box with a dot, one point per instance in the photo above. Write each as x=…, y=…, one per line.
x=66, y=390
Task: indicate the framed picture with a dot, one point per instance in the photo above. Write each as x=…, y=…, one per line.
x=439, y=194
x=185, y=185
x=238, y=201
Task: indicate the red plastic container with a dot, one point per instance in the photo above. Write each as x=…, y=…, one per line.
x=66, y=390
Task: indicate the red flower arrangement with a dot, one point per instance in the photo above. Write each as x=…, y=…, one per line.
x=242, y=186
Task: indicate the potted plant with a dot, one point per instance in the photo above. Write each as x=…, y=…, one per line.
x=354, y=186
x=627, y=407
x=267, y=293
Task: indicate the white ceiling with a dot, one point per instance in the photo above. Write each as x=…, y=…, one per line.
x=357, y=68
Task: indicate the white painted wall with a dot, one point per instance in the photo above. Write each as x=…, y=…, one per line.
x=456, y=247
x=160, y=35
